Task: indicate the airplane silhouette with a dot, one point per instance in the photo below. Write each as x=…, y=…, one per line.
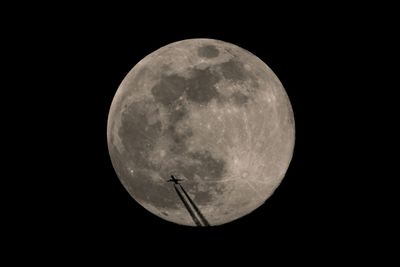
x=175, y=180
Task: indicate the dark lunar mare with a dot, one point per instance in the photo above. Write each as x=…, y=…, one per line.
x=198, y=89
x=207, y=51
x=139, y=136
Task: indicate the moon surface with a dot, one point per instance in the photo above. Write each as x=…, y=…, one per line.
x=213, y=115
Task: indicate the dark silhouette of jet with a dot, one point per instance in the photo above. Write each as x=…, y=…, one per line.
x=175, y=180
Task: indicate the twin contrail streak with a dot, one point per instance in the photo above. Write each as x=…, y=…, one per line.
x=191, y=207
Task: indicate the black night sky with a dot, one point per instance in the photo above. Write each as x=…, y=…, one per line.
x=80, y=200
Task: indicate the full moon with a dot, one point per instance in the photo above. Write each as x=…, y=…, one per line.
x=213, y=115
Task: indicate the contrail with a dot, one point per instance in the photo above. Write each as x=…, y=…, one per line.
x=204, y=221
x=191, y=207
